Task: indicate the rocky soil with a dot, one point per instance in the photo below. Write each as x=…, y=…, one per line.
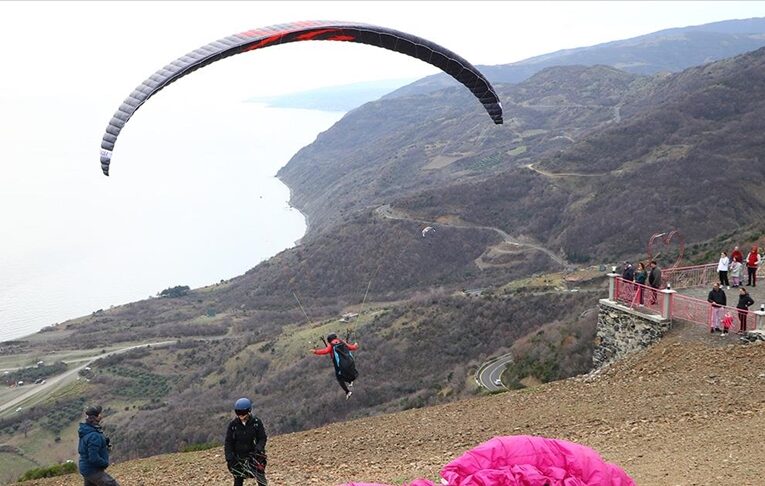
x=689, y=410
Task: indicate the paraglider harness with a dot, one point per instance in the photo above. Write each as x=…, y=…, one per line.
x=343, y=360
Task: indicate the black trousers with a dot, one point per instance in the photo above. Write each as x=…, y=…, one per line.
x=752, y=274
x=724, y=278
x=341, y=380
x=100, y=479
x=742, y=320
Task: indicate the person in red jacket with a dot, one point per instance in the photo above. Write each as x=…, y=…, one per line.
x=752, y=262
x=736, y=255
x=342, y=360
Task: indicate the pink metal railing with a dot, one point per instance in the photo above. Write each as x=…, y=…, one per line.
x=651, y=301
x=687, y=277
x=691, y=309
x=637, y=296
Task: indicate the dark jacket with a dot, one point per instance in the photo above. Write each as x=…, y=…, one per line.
x=717, y=298
x=629, y=273
x=654, y=278
x=744, y=301
x=641, y=276
x=94, y=454
x=244, y=440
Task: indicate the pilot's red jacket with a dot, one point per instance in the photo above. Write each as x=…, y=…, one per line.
x=328, y=349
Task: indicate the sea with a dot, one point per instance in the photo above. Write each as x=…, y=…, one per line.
x=192, y=199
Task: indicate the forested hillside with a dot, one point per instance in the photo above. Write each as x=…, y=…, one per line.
x=615, y=158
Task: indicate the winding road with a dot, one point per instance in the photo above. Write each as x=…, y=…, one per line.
x=490, y=373
x=386, y=211
x=66, y=377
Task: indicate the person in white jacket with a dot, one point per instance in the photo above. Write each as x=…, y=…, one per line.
x=722, y=269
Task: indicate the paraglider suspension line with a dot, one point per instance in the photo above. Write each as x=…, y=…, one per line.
x=301, y=307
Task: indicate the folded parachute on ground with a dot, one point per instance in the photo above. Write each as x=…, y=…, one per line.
x=524, y=460
x=408, y=44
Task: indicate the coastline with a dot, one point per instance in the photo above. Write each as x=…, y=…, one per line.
x=296, y=243
x=33, y=298
x=299, y=241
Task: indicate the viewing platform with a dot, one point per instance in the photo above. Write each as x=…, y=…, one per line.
x=683, y=295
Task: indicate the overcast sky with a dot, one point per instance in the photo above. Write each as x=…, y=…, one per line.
x=107, y=48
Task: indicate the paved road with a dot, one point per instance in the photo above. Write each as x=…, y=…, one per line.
x=489, y=373
x=68, y=376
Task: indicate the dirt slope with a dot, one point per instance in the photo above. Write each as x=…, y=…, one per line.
x=687, y=411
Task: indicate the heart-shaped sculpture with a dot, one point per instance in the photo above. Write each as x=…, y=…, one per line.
x=666, y=240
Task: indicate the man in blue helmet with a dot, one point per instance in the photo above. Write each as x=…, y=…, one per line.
x=245, y=445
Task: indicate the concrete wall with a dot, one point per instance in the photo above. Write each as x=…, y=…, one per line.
x=622, y=331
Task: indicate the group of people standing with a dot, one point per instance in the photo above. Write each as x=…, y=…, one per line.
x=722, y=320
x=643, y=276
x=733, y=266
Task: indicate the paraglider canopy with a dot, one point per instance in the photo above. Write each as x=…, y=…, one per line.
x=390, y=39
x=525, y=460
x=427, y=230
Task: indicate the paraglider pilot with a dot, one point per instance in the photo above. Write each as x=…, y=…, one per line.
x=245, y=445
x=342, y=360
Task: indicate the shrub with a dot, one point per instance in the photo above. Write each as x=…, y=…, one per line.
x=177, y=291
x=49, y=471
x=202, y=446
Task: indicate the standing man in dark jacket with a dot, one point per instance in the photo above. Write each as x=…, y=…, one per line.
x=628, y=272
x=718, y=300
x=94, y=450
x=654, y=280
x=245, y=445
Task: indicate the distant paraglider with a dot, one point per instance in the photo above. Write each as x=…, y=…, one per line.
x=452, y=64
x=428, y=229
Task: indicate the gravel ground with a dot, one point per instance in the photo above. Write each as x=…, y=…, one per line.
x=690, y=410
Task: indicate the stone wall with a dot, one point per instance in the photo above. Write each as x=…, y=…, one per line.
x=622, y=331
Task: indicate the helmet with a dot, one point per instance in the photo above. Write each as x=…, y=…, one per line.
x=243, y=404
x=331, y=337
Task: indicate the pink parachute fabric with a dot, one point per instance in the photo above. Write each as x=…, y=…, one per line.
x=525, y=460
x=419, y=482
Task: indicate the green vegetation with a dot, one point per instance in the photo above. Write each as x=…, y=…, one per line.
x=518, y=151
x=29, y=375
x=137, y=383
x=174, y=292
x=202, y=446
x=553, y=352
x=12, y=464
x=62, y=414
x=49, y=471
